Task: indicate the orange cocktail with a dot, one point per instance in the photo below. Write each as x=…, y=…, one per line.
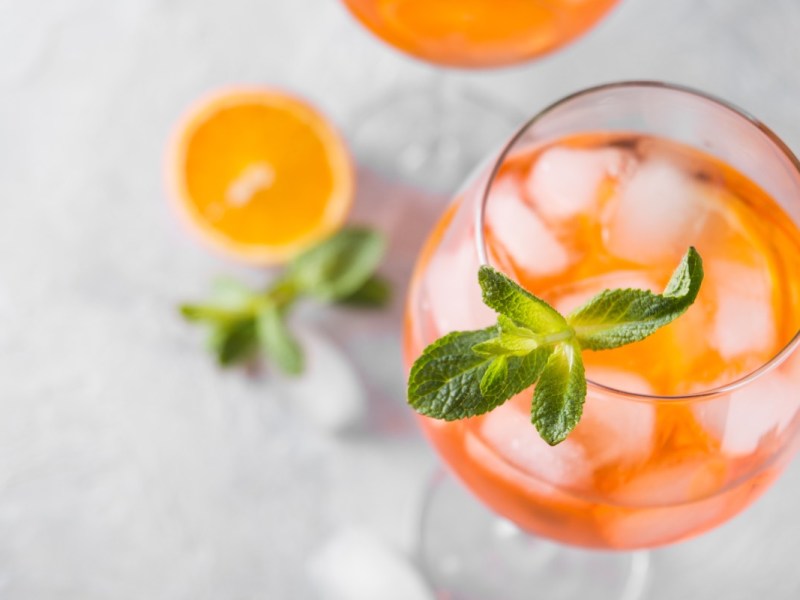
x=478, y=33
x=683, y=430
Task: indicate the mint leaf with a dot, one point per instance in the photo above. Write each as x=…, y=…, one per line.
x=509, y=299
x=228, y=298
x=468, y=373
x=614, y=318
x=559, y=394
x=518, y=357
x=282, y=292
x=687, y=277
x=235, y=342
x=444, y=382
x=242, y=321
x=339, y=266
x=277, y=341
x=375, y=293
x=494, y=378
x=204, y=313
x=509, y=375
x=511, y=339
x=230, y=294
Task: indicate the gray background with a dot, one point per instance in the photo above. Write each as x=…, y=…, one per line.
x=129, y=466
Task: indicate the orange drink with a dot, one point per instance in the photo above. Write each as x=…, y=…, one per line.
x=681, y=431
x=419, y=136
x=478, y=33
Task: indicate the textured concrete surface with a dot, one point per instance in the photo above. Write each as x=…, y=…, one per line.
x=129, y=467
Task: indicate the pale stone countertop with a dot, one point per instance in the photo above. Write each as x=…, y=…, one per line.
x=129, y=466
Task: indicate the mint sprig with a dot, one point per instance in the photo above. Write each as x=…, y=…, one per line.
x=245, y=323
x=559, y=394
x=468, y=373
x=618, y=317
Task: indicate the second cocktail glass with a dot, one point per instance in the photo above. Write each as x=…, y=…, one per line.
x=680, y=432
x=478, y=33
x=433, y=136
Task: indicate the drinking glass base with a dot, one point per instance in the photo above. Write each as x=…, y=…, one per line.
x=468, y=553
x=431, y=138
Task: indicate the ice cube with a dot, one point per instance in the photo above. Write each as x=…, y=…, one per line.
x=508, y=431
x=329, y=392
x=356, y=565
x=744, y=322
x=612, y=431
x=752, y=413
x=521, y=234
x=616, y=431
x=657, y=215
x=566, y=182
x=452, y=293
x=679, y=481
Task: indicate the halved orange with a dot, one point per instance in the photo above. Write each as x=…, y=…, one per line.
x=260, y=174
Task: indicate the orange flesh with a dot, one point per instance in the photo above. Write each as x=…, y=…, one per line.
x=289, y=197
x=642, y=488
x=260, y=174
x=478, y=33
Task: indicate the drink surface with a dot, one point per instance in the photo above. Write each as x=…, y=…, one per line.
x=478, y=33
x=591, y=212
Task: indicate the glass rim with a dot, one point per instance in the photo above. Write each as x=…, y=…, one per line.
x=483, y=256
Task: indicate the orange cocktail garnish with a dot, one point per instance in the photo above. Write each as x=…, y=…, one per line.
x=260, y=174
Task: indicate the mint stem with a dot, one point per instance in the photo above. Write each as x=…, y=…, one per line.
x=555, y=338
x=282, y=293
x=242, y=322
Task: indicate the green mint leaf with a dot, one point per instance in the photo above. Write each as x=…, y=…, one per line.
x=229, y=293
x=493, y=347
x=559, y=394
x=494, y=378
x=282, y=293
x=468, y=373
x=204, y=313
x=242, y=321
x=509, y=299
x=687, y=277
x=339, y=266
x=518, y=354
x=375, y=293
x=229, y=299
x=444, y=382
x=509, y=375
x=489, y=366
x=614, y=318
x=511, y=340
x=235, y=342
x=507, y=325
x=277, y=341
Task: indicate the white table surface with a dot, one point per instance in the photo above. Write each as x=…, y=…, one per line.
x=129, y=466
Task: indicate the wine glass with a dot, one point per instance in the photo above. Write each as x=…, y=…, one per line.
x=478, y=33
x=435, y=136
x=680, y=432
